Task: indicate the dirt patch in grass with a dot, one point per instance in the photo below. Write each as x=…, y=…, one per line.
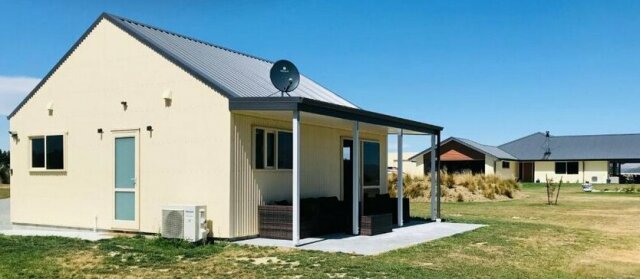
x=78, y=262
x=619, y=221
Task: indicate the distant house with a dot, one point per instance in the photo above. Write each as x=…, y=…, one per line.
x=134, y=118
x=409, y=167
x=593, y=158
x=458, y=154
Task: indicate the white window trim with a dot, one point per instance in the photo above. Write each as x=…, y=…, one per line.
x=362, y=140
x=267, y=130
x=44, y=169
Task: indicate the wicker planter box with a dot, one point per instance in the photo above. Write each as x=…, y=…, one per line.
x=275, y=221
x=383, y=204
x=319, y=216
x=375, y=224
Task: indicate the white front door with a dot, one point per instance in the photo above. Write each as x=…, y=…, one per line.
x=126, y=199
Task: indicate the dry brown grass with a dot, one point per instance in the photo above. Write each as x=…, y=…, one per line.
x=458, y=187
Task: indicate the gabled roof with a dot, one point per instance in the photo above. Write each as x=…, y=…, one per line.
x=482, y=148
x=232, y=73
x=586, y=147
x=242, y=78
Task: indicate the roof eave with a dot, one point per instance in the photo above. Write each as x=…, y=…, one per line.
x=328, y=109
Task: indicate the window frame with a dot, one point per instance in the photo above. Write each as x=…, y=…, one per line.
x=566, y=167
x=362, y=142
x=577, y=167
x=267, y=130
x=44, y=138
x=508, y=165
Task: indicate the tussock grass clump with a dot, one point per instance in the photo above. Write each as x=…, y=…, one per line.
x=464, y=186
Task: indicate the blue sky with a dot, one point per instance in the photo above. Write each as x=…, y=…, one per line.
x=491, y=71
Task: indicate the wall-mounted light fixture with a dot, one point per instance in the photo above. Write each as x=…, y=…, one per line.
x=150, y=128
x=50, y=108
x=100, y=131
x=124, y=105
x=167, y=96
x=13, y=134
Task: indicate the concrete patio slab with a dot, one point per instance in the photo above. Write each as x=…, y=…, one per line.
x=5, y=212
x=412, y=234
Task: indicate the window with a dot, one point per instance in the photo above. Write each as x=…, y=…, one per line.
x=259, y=154
x=567, y=168
x=505, y=165
x=47, y=152
x=37, y=153
x=285, y=150
x=273, y=149
x=371, y=163
x=572, y=167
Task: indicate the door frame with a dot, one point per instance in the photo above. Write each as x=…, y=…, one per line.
x=522, y=169
x=342, y=139
x=123, y=224
x=361, y=170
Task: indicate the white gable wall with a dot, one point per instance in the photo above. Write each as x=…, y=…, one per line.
x=185, y=160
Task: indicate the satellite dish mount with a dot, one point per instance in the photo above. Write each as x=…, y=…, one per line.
x=284, y=77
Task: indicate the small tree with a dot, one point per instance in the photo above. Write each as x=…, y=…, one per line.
x=553, y=189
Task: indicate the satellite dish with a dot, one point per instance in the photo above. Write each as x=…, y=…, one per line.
x=285, y=76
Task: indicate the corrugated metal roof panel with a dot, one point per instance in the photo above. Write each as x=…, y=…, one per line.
x=239, y=75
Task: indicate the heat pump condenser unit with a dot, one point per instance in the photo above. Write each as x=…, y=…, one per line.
x=187, y=222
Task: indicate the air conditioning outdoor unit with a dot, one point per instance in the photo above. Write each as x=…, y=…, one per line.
x=187, y=222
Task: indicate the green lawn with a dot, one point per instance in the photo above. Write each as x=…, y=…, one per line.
x=586, y=235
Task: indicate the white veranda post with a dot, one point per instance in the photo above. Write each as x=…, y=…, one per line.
x=296, y=178
x=434, y=180
x=356, y=178
x=400, y=180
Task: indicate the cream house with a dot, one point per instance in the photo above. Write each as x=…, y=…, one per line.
x=409, y=167
x=134, y=118
x=459, y=154
x=536, y=157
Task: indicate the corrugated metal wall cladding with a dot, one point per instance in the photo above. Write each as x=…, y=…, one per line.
x=242, y=75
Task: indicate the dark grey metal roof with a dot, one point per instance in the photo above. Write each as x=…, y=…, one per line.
x=231, y=73
x=236, y=74
x=242, y=78
x=588, y=147
x=486, y=149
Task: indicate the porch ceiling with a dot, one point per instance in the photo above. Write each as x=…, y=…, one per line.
x=343, y=115
x=316, y=120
